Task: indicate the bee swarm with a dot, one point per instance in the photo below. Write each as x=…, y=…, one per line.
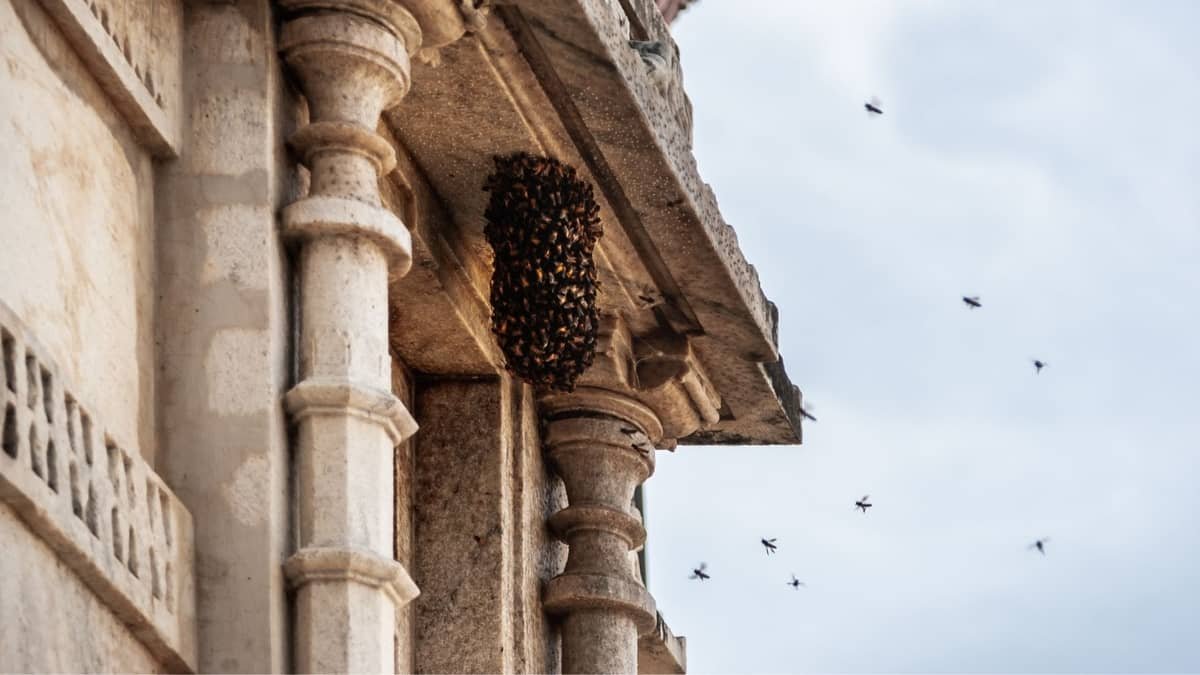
x=542, y=225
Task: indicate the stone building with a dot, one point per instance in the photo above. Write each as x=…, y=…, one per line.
x=254, y=415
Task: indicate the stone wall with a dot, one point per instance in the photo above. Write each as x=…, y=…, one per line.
x=225, y=357
x=77, y=193
x=52, y=621
x=97, y=567
x=482, y=494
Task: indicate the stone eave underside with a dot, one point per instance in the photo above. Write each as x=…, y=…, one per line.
x=560, y=79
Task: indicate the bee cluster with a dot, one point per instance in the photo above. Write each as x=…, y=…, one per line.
x=542, y=224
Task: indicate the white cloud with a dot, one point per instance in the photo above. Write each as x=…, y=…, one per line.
x=1043, y=156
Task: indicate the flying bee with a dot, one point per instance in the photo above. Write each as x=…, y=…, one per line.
x=699, y=572
x=806, y=409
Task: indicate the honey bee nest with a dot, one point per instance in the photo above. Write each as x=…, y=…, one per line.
x=542, y=224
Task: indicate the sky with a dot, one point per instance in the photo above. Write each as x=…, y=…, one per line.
x=1041, y=155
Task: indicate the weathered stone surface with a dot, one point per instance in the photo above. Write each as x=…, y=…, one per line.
x=132, y=49
x=78, y=201
x=96, y=503
x=482, y=495
x=52, y=622
x=223, y=332
x=660, y=651
x=351, y=61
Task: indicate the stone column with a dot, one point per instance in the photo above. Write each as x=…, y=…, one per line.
x=598, y=442
x=351, y=59
x=641, y=394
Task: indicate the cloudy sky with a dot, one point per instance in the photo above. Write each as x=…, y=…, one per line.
x=1044, y=156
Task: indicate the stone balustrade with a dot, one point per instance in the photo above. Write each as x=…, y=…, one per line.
x=92, y=499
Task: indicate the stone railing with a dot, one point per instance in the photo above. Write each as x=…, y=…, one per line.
x=105, y=512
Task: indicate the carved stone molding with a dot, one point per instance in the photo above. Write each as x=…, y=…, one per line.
x=671, y=380
x=111, y=37
x=105, y=512
x=660, y=371
x=318, y=565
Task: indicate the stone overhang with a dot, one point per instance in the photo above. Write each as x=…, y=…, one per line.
x=596, y=83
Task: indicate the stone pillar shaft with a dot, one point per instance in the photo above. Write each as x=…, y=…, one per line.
x=351, y=60
x=343, y=293
x=599, y=642
x=598, y=451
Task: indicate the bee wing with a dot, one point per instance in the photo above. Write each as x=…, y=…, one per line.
x=703, y=566
x=876, y=102
x=866, y=498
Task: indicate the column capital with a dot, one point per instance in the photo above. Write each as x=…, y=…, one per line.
x=445, y=21
x=390, y=13
x=363, y=45
x=654, y=380
x=351, y=59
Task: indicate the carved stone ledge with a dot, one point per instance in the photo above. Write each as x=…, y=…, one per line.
x=318, y=216
x=343, y=397
x=95, y=502
x=583, y=516
x=316, y=565
x=660, y=651
x=130, y=80
x=574, y=592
